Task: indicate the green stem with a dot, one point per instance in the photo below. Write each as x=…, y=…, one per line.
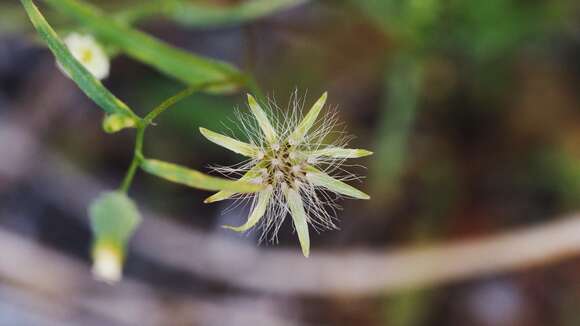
x=137, y=158
x=174, y=99
x=142, y=125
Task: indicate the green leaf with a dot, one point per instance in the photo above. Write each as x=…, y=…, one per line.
x=233, y=145
x=204, y=15
x=199, y=14
x=114, y=218
x=84, y=79
x=321, y=179
x=192, y=178
x=182, y=65
x=299, y=218
x=257, y=213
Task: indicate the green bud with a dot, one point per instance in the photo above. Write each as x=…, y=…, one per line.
x=116, y=122
x=114, y=218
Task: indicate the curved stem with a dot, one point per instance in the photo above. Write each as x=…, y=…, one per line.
x=148, y=120
x=137, y=158
x=172, y=100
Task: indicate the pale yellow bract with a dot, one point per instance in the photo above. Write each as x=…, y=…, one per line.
x=300, y=174
x=107, y=264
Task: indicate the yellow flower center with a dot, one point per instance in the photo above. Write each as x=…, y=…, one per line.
x=86, y=56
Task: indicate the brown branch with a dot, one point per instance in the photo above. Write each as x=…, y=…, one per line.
x=352, y=272
x=360, y=272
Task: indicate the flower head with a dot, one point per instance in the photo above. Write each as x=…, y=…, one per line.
x=300, y=174
x=89, y=53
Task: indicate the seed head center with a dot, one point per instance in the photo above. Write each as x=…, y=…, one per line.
x=283, y=166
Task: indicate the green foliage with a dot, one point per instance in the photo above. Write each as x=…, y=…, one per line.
x=86, y=82
x=409, y=21
x=179, y=64
x=488, y=29
x=483, y=29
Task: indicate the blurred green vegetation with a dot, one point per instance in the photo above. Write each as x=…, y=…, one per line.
x=482, y=34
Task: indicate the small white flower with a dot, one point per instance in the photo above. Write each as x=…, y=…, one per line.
x=89, y=53
x=301, y=175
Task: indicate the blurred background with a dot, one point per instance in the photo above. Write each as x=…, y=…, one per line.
x=471, y=107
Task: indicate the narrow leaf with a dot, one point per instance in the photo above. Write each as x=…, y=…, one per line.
x=192, y=178
x=200, y=14
x=84, y=79
x=321, y=179
x=263, y=121
x=182, y=65
x=257, y=212
x=233, y=145
x=299, y=218
x=298, y=135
